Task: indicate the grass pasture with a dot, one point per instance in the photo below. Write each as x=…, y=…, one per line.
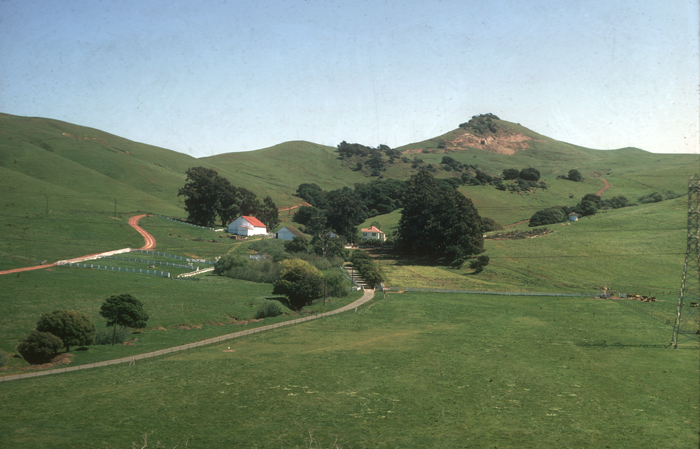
x=412, y=370
x=181, y=311
x=636, y=249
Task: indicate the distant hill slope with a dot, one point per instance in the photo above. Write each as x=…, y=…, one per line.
x=84, y=168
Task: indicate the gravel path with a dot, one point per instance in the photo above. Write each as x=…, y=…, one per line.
x=368, y=295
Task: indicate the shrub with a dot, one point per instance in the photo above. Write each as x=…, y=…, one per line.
x=479, y=263
x=547, y=216
x=268, y=309
x=511, y=173
x=489, y=224
x=39, y=347
x=265, y=271
x=574, y=175
x=530, y=174
x=296, y=245
x=103, y=336
x=227, y=263
x=72, y=328
x=335, y=285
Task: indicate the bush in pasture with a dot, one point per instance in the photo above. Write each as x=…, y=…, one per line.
x=226, y=263
x=658, y=196
x=300, y=282
x=547, y=216
x=479, y=264
x=268, y=309
x=489, y=224
x=107, y=335
x=510, y=173
x=73, y=328
x=530, y=174
x=265, y=271
x=574, y=175
x=39, y=347
x=586, y=208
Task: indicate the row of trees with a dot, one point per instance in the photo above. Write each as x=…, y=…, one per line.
x=66, y=328
x=528, y=174
x=589, y=205
x=209, y=195
x=364, y=156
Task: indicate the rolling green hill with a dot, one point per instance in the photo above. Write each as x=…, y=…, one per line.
x=49, y=167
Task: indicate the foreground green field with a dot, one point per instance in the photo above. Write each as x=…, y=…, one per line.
x=412, y=370
x=181, y=311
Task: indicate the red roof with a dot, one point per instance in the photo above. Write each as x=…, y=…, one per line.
x=254, y=221
x=372, y=229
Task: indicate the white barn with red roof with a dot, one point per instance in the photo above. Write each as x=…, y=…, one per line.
x=246, y=225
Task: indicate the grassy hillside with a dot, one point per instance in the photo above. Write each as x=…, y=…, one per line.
x=635, y=249
x=407, y=370
x=51, y=169
x=277, y=171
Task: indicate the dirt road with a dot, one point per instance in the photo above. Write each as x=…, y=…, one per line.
x=150, y=243
x=607, y=186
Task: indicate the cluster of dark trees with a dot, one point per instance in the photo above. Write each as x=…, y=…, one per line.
x=208, y=195
x=589, y=205
x=436, y=222
x=527, y=174
x=481, y=124
x=370, y=157
x=66, y=328
x=342, y=210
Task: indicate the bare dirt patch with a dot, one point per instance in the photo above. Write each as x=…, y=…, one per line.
x=501, y=143
x=60, y=359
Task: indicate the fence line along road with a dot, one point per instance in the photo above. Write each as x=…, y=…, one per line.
x=366, y=297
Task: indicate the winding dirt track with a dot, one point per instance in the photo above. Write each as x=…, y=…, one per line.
x=368, y=295
x=150, y=243
x=607, y=186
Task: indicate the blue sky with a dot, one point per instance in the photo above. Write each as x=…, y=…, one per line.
x=212, y=77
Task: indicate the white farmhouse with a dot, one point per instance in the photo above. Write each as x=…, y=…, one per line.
x=372, y=233
x=288, y=233
x=246, y=225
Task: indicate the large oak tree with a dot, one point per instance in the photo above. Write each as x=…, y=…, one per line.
x=438, y=222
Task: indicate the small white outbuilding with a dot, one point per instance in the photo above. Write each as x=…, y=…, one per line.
x=288, y=233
